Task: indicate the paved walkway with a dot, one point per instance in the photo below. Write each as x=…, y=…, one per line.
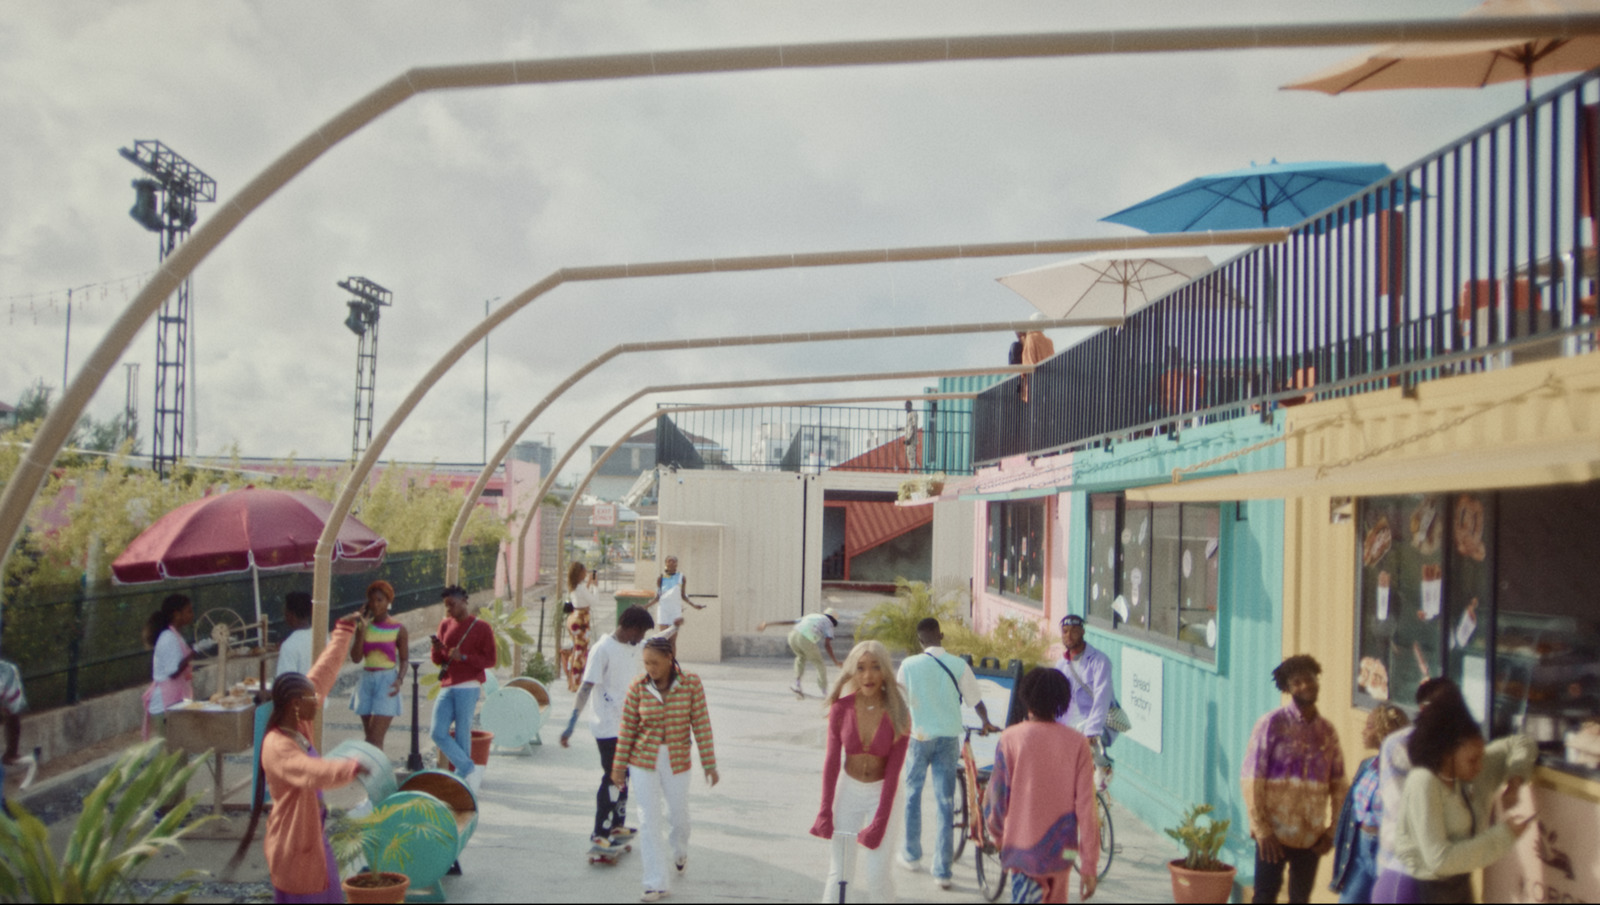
x=749, y=838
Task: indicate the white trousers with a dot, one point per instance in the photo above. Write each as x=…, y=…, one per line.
x=662, y=799
x=855, y=803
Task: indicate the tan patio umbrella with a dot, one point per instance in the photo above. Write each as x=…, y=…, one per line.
x=1467, y=64
x=1104, y=285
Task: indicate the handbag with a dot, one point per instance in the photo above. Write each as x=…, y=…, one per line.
x=1117, y=721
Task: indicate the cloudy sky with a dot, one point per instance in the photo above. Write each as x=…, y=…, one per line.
x=460, y=197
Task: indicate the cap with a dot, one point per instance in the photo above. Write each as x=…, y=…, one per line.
x=1071, y=619
x=832, y=613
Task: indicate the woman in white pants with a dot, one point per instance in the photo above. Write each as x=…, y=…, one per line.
x=665, y=706
x=868, y=731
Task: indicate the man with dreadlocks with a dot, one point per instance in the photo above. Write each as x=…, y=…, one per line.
x=1293, y=785
x=665, y=706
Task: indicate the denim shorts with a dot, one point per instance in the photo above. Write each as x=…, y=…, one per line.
x=372, y=695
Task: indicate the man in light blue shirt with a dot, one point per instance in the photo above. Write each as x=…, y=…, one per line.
x=936, y=685
x=1089, y=671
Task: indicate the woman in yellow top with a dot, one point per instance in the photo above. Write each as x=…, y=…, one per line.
x=380, y=646
x=664, y=708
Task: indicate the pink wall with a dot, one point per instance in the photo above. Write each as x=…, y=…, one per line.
x=1021, y=474
x=520, y=484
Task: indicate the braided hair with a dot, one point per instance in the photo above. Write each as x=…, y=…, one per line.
x=662, y=644
x=286, y=690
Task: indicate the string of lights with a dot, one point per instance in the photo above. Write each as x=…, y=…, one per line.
x=28, y=308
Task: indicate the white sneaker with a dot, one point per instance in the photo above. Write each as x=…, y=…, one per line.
x=943, y=882
x=474, y=781
x=906, y=864
x=654, y=895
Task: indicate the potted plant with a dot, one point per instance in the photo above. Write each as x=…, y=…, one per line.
x=1199, y=876
x=355, y=841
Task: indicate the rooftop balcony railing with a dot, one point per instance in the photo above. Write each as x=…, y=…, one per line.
x=813, y=439
x=1481, y=255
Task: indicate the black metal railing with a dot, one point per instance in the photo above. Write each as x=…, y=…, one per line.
x=812, y=439
x=73, y=643
x=1478, y=256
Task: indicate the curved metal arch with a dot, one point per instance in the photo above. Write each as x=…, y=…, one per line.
x=453, y=546
x=549, y=480
x=53, y=432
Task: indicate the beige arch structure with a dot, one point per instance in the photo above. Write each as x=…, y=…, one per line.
x=53, y=432
x=549, y=480
x=453, y=549
x=566, y=514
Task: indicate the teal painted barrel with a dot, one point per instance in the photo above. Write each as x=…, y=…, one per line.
x=417, y=836
x=515, y=712
x=379, y=780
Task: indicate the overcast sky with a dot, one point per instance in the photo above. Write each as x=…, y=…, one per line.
x=460, y=197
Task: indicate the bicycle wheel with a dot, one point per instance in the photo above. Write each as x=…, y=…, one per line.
x=1108, y=835
x=991, y=875
x=959, y=844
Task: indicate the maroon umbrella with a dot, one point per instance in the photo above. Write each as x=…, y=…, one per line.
x=241, y=531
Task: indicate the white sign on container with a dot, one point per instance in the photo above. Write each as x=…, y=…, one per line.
x=1139, y=692
x=604, y=515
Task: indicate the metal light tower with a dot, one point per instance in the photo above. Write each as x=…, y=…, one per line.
x=370, y=299
x=165, y=205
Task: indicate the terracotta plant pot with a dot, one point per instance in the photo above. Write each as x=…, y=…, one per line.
x=1200, y=885
x=481, y=740
x=383, y=887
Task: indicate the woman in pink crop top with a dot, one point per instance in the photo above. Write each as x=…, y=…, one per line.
x=868, y=730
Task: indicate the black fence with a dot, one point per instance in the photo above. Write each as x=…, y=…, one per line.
x=812, y=439
x=1478, y=256
x=77, y=643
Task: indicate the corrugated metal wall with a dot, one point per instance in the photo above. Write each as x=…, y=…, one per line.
x=1207, y=710
x=763, y=514
x=956, y=455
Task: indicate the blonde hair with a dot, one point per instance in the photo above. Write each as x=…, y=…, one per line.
x=899, y=712
x=1384, y=720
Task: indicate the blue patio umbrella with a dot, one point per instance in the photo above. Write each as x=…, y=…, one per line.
x=1274, y=194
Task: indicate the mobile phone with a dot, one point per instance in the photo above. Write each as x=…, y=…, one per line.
x=435, y=640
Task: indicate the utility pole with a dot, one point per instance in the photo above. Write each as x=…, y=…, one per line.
x=130, y=404
x=164, y=203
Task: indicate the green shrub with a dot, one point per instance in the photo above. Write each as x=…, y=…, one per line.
x=1011, y=639
x=1202, y=842
x=894, y=622
x=540, y=668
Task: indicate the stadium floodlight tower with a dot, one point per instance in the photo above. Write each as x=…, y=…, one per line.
x=370, y=299
x=164, y=203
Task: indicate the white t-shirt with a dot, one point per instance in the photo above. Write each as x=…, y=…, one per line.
x=611, y=669
x=165, y=664
x=294, y=654
x=815, y=627
x=670, y=609
x=585, y=597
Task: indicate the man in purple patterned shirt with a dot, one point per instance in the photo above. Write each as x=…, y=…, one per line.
x=1293, y=785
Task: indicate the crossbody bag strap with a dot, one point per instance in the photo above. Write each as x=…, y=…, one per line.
x=1076, y=677
x=953, y=680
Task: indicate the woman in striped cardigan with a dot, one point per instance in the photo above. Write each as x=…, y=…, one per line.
x=664, y=708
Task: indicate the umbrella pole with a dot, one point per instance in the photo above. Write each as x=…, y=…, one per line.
x=255, y=580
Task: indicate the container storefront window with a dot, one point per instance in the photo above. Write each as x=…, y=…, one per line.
x=1494, y=590
x=1153, y=571
x=1016, y=543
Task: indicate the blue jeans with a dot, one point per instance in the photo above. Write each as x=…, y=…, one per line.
x=942, y=754
x=1363, y=870
x=455, y=705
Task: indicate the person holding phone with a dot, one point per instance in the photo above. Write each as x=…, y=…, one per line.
x=463, y=649
x=379, y=645
x=1445, y=830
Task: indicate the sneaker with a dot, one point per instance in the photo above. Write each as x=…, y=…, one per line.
x=623, y=834
x=654, y=895
x=943, y=882
x=681, y=863
x=796, y=688
x=907, y=864
x=474, y=781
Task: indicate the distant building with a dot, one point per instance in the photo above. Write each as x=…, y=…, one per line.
x=539, y=453
x=8, y=416
x=637, y=454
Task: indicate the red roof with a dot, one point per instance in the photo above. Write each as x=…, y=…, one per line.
x=870, y=524
x=890, y=456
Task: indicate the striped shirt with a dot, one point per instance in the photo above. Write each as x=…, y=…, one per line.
x=379, y=645
x=651, y=719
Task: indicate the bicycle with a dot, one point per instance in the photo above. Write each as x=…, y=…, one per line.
x=969, y=825
x=971, y=782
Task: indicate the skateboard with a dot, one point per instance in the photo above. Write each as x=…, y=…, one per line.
x=609, y=855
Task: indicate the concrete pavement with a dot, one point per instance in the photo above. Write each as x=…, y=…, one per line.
x=749, y=842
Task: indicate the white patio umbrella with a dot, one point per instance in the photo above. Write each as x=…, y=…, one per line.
x=1467, y=64
x=1103, y=286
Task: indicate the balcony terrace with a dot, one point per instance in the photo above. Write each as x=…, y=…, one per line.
x=1479, y=256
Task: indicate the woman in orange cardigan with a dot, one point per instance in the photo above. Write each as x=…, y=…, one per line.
x=299, y=858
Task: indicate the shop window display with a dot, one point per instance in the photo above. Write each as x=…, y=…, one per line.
x=1491, y=589
x=1153, y=571
x=1015, y=544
